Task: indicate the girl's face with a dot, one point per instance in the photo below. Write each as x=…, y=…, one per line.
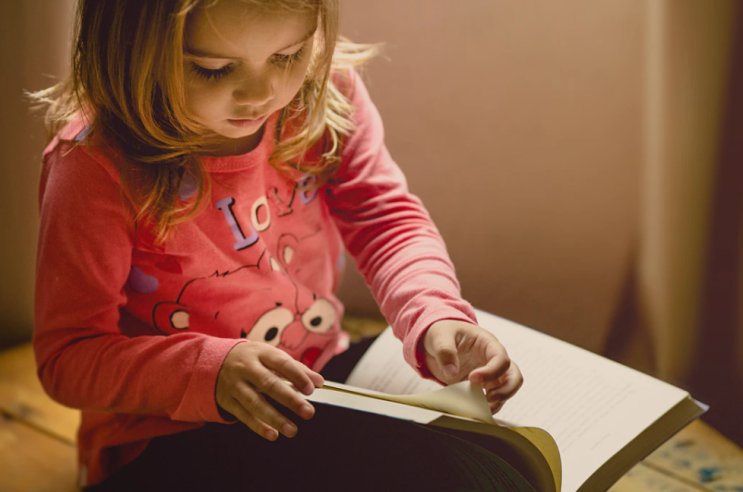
x=241, y=65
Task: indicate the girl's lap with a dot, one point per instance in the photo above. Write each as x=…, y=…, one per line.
x=335, y=450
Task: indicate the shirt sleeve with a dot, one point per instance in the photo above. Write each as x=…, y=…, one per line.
x=391, y=236
x=83, y=262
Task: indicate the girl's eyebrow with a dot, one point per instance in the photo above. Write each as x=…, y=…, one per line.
x=206, y=54
x=307, y=36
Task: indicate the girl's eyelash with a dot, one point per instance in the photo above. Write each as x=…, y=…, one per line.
x=209, y=74
x=289, y=59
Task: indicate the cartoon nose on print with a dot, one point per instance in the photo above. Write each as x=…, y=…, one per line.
x=319, y=318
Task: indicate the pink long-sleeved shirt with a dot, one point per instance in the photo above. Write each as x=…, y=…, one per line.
x=134, y=334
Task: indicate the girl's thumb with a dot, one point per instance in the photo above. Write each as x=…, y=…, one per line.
x=446, y=356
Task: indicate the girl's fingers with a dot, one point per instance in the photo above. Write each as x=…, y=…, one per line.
x=511, y=383
x=303, y=378
x=497, y=365
x=316, y=378
x=260, y=428
x=268, y=383
x=496, y=401
x=496, y=383
x=496, y=406
x=257, y=406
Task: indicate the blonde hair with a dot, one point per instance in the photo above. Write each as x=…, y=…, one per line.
x=127, y=82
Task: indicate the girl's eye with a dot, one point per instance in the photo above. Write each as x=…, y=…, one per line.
x=209, y=74
x=288, y=60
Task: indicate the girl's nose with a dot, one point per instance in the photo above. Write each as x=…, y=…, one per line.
x=254, y=91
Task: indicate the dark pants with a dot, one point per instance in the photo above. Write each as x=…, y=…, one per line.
x=337, y=449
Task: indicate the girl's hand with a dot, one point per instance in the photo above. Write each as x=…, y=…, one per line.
x=250, y=369
x=455, y=351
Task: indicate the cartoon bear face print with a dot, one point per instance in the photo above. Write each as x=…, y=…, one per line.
x=293, y=331
x=260, y=302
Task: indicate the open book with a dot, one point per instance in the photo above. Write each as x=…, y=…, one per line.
x=579, y=422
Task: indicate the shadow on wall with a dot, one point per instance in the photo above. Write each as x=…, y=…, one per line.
x=718, y=375
x=33, y=46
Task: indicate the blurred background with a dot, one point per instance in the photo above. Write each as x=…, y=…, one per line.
x=580, y=158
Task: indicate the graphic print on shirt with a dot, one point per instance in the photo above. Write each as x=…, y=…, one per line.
x=283, y=207
x=303, y=188
x=270, y=302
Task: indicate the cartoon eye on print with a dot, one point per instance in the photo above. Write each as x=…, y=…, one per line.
x=320, y=317
x=179, y=319
x=270, y=326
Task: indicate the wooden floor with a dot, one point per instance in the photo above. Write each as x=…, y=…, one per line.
x=37, y=440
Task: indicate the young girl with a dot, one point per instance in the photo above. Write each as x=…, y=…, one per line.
x=210, y=162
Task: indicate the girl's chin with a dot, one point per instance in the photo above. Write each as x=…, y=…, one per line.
x=236, y=143
x=238, y=133
x=241, y=129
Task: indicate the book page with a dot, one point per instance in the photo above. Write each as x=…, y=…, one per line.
x=591, y=406
x=373, y=405
x=463, y=399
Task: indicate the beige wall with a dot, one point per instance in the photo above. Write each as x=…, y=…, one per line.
x=517, y=123
x=32, y=47
x=520, y=126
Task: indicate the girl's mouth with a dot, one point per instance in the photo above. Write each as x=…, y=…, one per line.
x=247, y=122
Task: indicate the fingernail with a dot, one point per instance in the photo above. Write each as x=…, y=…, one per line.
x=450, y=371
x=272, y=435
x=308, y=389
x=306, y=411
x=288, y=430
